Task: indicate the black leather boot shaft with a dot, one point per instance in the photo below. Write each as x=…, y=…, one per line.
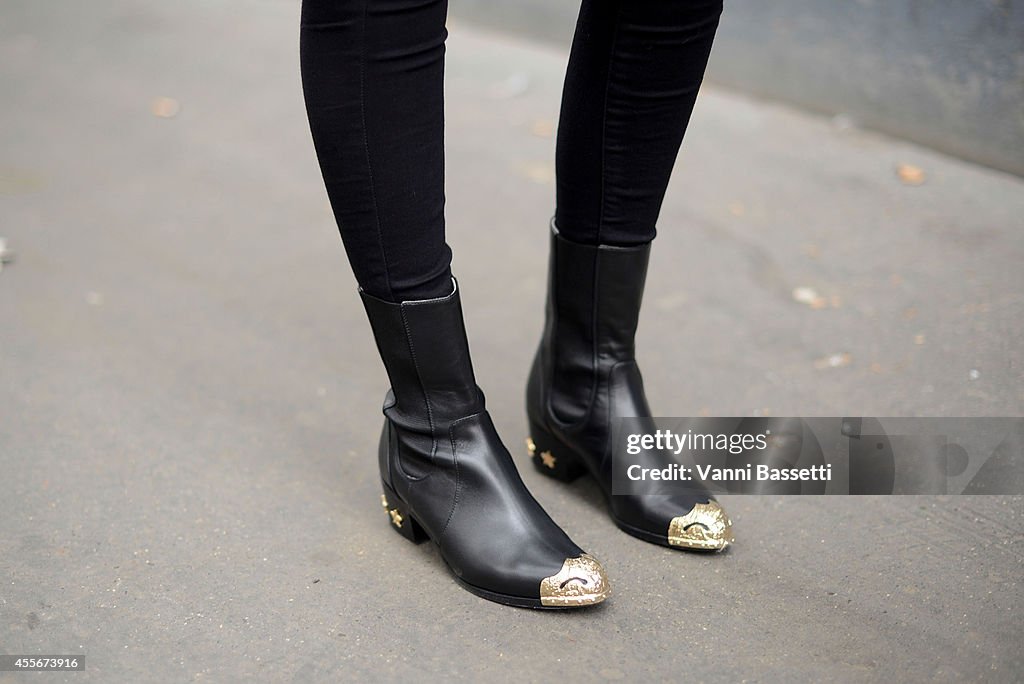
x=592, y=311
x=425, y=351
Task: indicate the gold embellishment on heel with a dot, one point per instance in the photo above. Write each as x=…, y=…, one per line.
x=705, y=527
x=530, y=446
x=396, y=517
x=548, y=458
x=580, y=582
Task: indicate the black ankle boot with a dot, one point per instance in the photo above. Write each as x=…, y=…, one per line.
x=584, y=376
x=448, y=477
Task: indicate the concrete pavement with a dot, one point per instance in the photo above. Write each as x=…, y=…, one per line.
x=190, y=397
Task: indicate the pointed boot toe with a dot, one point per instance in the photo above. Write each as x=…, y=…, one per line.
x=705, y=527
x=580, y=582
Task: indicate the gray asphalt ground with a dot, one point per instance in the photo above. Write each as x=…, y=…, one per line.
x=190, y=399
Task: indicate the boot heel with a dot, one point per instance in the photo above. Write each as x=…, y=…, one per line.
x=400, y=518
x=551, y=457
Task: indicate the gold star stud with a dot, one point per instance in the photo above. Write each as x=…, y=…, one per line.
x=548, y=458
x=530, y=446
x=396, y=517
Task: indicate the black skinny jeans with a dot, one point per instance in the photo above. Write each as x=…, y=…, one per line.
x=373, y=75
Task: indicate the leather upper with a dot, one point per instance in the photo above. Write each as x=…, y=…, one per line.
x=441, y=454
x=584, y=374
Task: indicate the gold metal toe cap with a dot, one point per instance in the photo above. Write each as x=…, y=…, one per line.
x=580, y=582
x=705, y=527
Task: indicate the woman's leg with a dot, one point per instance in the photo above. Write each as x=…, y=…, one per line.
x=373, y=80
x=632, y=80
x=372, y=72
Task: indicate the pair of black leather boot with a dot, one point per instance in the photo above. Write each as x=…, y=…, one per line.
x=446, y=474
